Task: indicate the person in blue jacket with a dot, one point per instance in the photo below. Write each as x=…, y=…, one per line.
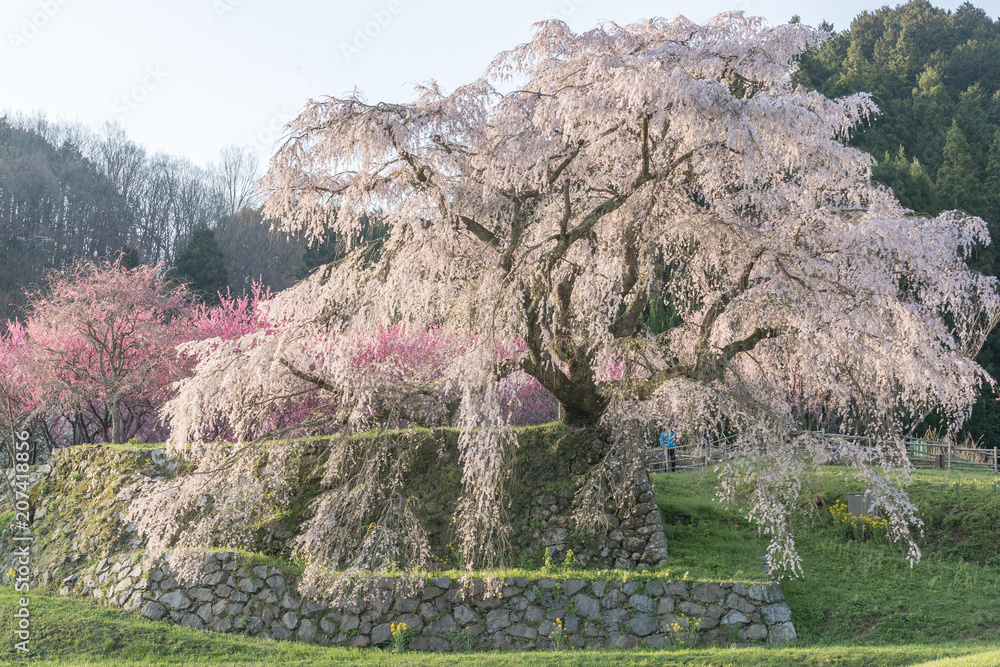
x=669, y=442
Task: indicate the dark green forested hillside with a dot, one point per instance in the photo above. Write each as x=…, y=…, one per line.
x=55, y=206
x=67, y=193
x=935, y=75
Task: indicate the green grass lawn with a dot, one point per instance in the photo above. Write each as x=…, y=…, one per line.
x=861, y=593
x=866, y=592
x=704, y=540
x=858, y=603
x=77, y=632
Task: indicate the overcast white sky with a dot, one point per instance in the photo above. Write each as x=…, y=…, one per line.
x=191, y=76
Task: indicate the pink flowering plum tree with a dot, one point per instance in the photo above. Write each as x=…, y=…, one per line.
x=100, y=348
x=533, y=214
x=102, y=334
x=234, y=315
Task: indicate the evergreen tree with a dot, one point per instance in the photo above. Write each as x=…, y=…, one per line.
x=129, y=257
x=905, y=58
x=987, y=259
x=660, y=316
x=200, y=264
x=972, y=117
x=957, y=180
x=930, y=117
x=908, y=181
x=334, y=246
x=920, y=192
x=317, y=254
x=991, y=182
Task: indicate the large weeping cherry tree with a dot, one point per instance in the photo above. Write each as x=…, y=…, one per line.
x=535, y=213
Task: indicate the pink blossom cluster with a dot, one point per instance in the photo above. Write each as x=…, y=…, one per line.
x=96, y=356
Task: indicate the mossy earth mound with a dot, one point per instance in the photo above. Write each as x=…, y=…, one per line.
x=82, y=495
x=86, y=547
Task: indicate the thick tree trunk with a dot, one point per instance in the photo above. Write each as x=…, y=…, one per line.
x=580, y=404
x=572, y=416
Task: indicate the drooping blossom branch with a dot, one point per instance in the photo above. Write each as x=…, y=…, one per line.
x=550, y=202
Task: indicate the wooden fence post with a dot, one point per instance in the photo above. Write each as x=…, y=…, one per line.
x=949, y=456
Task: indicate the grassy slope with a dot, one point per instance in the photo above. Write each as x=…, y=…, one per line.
x=704, y=541
x=543, y=463
x=76, y=632
x=866, y=592
x=860, y=593
x=859, y=603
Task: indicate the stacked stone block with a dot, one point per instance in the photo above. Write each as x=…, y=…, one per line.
x=236, y=595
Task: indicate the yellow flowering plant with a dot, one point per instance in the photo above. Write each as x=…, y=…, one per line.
x=401, y=637
x=976, y=483
x=683, y=631
x=558, y=634
x=858, y=527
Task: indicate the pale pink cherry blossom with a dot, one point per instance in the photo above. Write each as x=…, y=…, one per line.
x=547, y=203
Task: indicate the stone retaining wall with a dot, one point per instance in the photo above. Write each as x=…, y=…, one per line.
x=635, y=538
x=235, y=595
x=84, y=547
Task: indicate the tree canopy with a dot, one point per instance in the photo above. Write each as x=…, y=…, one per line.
x=933, y=74
x=200, y=264
x=96, y=354
x=99, y=345
x=529, y=216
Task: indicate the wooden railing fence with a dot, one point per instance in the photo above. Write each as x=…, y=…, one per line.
x=921, y=453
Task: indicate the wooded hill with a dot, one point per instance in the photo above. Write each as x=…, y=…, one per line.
x=68, y=193
x=935, y=75
x=55, y=207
